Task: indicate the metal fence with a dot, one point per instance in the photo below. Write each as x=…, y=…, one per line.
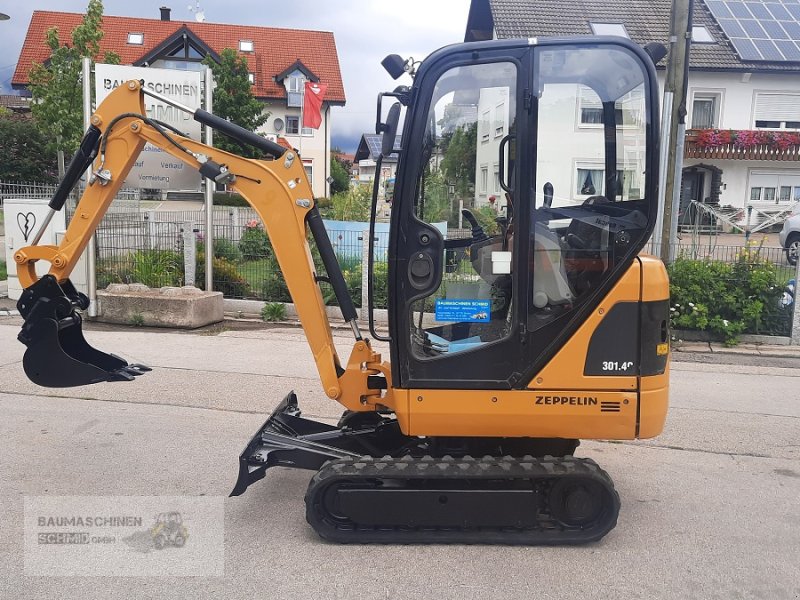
x=148, y=246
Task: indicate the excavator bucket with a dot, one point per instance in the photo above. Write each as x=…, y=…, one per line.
x=58, y=355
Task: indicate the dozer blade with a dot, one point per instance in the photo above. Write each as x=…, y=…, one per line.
x=58, y=355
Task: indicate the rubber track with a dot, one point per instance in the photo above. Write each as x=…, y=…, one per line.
x=543, y=472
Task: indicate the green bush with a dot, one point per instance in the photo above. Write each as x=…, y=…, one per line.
x=254, y=243
x=352, y=205
x=727, y=299
x=227, y=278
x=228, y=199
x=3, y=273
x=223, y=249
x=274, y=311
x=274, y=288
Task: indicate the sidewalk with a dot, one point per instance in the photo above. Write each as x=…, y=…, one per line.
x=715, y=348
x=681, y=350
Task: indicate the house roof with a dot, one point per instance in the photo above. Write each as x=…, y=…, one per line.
x=370, y=147
x=645, y=21
x=274, y=49
x=15, y=103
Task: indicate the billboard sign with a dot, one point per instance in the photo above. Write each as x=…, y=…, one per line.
x=156, y=169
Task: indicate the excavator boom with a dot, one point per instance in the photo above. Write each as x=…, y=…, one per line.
x=59, y=356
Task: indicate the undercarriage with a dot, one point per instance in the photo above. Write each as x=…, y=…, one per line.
x=375, y=485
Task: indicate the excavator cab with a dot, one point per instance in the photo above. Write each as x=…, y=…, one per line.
x=522, y=317
x=537, y=163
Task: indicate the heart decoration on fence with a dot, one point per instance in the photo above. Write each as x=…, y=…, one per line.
x=26, y=222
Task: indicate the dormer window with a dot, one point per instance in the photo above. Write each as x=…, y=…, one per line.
x=617, y=29
x=294, y=84
x=245, y=45
x=701, y=35
x=136, y=39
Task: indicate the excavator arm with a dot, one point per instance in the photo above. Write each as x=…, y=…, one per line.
x=278, y=190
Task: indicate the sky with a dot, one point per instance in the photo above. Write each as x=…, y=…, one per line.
x=365, y=32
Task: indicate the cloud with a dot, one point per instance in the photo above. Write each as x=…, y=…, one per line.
x=365, y=32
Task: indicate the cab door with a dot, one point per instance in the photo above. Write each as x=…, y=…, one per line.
x=454, y=312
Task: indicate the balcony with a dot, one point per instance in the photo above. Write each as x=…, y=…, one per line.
x=729, y=144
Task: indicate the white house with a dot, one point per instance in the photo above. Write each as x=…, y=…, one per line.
x=744, y=76
x=280, y=61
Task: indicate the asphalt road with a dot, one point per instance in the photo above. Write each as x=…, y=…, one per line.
x=709, y=510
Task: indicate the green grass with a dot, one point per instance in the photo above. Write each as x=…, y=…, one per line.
x=254, y=271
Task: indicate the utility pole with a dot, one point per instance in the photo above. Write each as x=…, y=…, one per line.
x=675, y=85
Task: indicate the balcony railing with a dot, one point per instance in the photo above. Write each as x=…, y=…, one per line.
x=727, y=144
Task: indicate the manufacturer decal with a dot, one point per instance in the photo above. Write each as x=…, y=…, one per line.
x=571, y=400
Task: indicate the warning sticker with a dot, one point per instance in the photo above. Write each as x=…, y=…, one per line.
x=462, y=310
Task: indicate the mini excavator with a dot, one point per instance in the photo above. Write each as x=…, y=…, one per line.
x=509, y=340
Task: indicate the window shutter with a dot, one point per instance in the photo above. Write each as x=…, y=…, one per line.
x=777, y=107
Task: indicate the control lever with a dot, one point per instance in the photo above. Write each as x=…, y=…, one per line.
x=478, y=234
x=548, y=194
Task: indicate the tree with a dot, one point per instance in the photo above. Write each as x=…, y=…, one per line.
x=352, y=205
x=57, y=98
x=23, y=148
x=340, y=174
x=458, y=163
x=234, y=100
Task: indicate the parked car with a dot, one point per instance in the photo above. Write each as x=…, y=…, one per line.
x=790, y=238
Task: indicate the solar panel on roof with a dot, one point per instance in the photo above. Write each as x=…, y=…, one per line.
x=760, y=31
x=789, y=49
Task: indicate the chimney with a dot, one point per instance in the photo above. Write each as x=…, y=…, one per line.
x=165, y=13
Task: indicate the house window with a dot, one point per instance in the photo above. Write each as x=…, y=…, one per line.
x=309, y=168
x=251, y=77
x=627, y=109
x=137, y=39
x=293, y=126
x=484, y=179
x=499, y=120
x=591, y=116
x=704, y=111
x=777, y=124
x=617, y=29
x=777, y=111
x=485, y=127
x=774, y=187
x=245, y=45
x=592, y=182
x=294, y=84
x=701, y=35
x=496, y=179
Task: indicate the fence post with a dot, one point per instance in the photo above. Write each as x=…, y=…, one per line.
x=150, y=218
x=365, y=242
x=189, y=253
x=795, y=309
